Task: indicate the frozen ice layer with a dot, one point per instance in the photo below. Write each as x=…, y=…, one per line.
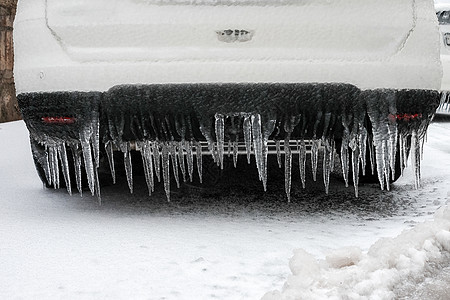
x=370, y=131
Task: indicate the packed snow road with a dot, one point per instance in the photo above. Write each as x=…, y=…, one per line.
x=227, y=241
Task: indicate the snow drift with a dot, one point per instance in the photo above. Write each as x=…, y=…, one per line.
x=390, y=265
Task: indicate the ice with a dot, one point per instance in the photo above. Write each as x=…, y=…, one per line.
x=345, y=154
x=157, y=160
x=314, y=157
x=198, y=149
x=269, y=127
x=88, y=160
x=278, y=147
x=166, y=140
x=109, y=148
x=355, y=168
x=173, y=155
x=76, y=153
x=384, y=127
x=147, y=161
x=220, y=131
x=54, y=166
x=301, y=146
x=248, y=136
x=235, y=153
x=258, y=146
x=165, y=155
x=206, y=132
x=181, y=147
x=287, y=169
x=62, y=153
x=328, y=154
x=289, y=127
x=190, y=159
x=415, y=157
x=362, y=139
x=128, y=165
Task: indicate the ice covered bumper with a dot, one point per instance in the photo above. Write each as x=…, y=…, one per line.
x=168, y=122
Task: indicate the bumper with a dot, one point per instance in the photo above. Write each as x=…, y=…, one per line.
x=176, y=112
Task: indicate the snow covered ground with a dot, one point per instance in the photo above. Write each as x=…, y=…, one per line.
x=228, y=242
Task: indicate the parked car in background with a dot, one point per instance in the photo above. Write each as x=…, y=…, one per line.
x=443, y=15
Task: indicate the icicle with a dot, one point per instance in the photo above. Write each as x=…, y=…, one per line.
x=173, y=155
x=87, y=156
x=235, y=153
x=198, y=148
x=54, y=166
x=46, y=167
x=328, y=151
x=206, y=132
x=230, y=146
x=315, y=156
x=62, y=153
x=379, y=156
x=248, y=136
x=402, y=153
x=372, y=156
x=386, y=164
x=157, y=160
x=384, y=126
x=301, y=146
x=97, y=187
x=345, y=155
x=333, y=155
x=258, y=146
x=148, y=164
x=110, y=153
x=269, y=127
x=77, y=163
x=143, y=152
x=128, y=165
x=287, y=168
x=289, y=126
x=181, y=147
x=415, y=157
x=190, y=159
x=392, y=143
x=362, y=139
x=165, y=167
x=220, y=135
x=355, y=166
x=278, y=147
x=95, y=141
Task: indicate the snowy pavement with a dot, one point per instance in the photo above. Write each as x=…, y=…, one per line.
x=231, y=242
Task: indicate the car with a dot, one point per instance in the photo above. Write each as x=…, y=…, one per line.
x=180, y=79
x=443, y=15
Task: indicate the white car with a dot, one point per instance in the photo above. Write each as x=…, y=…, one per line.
x=165, y=76
x=443, y=15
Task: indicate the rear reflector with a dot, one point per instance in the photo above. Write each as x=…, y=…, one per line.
x=59, y=120
x=408, y=117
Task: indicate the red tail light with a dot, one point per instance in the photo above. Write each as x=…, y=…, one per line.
x=59, y=120
x=408, y=117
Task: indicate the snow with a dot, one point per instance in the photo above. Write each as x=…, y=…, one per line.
x=231, y=244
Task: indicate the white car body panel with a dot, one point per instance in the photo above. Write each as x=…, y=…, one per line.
x=92, y=45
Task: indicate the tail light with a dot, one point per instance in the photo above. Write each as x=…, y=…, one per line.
x=59, y=120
